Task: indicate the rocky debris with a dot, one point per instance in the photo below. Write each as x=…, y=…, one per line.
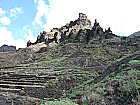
x=6, y=48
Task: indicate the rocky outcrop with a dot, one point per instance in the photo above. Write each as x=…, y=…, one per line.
x=6, y=48
x=82, y=31
x=29, y=43
x=79, y=30
x=82, y=21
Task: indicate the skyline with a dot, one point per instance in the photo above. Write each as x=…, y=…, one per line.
x=23, y=20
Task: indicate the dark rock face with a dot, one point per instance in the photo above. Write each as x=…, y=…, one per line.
x=41, y=37
x=6, y=48
x=135, y=35
x=82, y=36
x=29, y=43
x=85, y=34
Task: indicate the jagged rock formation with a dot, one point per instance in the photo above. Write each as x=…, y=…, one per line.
x=82, y=21
x=79, y=30
x=6, y=48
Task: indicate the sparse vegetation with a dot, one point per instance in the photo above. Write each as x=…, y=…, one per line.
x=61, y=102
x=135, y=62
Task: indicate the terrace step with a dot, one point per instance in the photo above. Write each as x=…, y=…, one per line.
x=28, y=80
x=19, y=83
x=10, y=90
x=22, y=86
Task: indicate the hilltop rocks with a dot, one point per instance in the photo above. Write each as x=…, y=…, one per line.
x=82, y=21
x=79, y=30
x=109, y=34
x=80, y=33
x=6, y=48
x=41, y=37
x=29, y=43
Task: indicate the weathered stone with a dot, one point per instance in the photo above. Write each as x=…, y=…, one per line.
x=29, y=43
x=41, y=37
x=79, y=30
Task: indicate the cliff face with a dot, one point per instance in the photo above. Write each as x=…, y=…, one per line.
x=6, y=48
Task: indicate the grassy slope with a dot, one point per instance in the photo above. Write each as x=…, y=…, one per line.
x=72, y=83
x=82, y=93
x=80, y=89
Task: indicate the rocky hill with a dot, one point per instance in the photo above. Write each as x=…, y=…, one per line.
x=75, y=64
x=135, y=35
x=6, y=48
x=81, y=31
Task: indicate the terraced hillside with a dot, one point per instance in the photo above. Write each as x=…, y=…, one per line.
x=71, y=71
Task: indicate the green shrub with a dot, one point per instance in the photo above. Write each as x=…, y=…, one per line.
x=134, y=61
x=61, y=102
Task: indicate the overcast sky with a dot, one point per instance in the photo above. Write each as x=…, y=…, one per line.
x=21, y=20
